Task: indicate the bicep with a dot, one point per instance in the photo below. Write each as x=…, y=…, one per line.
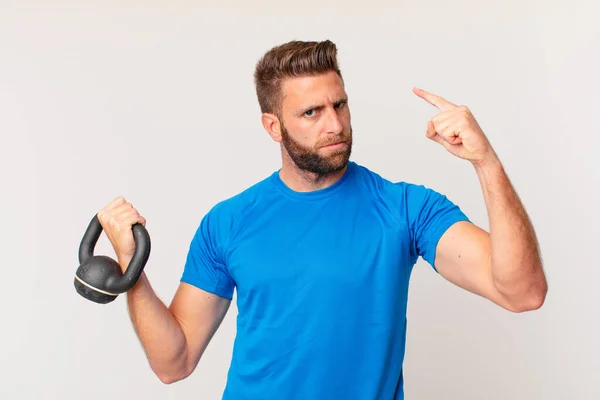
x=199, y=314
x=463, y=257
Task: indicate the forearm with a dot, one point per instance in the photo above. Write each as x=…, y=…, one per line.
x=159, y=332
x=515, y=261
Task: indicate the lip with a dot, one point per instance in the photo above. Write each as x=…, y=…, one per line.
x=334, y=145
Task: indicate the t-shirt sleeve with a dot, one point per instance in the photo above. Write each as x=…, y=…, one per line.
x=430, y=214
x=205, y=267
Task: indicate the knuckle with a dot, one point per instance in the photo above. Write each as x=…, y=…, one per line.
x=104, y=216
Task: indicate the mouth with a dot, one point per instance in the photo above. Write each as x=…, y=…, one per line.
x=335, y=145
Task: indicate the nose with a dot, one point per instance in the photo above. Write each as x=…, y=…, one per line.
x=333, y=123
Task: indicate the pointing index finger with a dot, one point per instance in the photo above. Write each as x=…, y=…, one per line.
x=437, y=101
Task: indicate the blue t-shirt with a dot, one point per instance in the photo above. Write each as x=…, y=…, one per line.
x=322, y=282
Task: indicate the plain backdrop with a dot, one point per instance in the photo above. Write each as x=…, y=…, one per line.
x=155, y=101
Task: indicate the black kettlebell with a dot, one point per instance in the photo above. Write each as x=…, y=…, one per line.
x=99, y=278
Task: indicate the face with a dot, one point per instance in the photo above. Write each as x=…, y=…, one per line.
x=315, y=125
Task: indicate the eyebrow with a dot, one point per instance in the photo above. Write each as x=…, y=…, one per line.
x=320, y=106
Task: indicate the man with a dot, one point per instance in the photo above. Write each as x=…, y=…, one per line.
x=321, y=251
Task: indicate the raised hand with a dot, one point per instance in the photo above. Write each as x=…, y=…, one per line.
x=117, y=218
x=456, y=129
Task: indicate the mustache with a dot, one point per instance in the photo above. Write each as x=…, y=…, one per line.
x=344, y=137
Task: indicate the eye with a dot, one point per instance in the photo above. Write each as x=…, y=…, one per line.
x=309, y=113
x=340, y=104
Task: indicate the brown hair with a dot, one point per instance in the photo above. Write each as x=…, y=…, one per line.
x=290, y=60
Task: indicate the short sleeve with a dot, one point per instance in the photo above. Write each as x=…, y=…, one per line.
x=205, y=267
x=430, y=214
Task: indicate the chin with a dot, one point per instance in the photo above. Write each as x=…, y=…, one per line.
x=338, y=161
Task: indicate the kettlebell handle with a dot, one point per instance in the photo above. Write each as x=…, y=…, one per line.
x=137, y=263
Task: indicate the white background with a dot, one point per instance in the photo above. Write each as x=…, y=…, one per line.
x=155, y=101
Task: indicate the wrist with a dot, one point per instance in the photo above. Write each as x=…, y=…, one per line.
x=124, y=261
x=491, y=175
x=490, y=161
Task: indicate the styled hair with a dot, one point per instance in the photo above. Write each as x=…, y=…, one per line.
x=291, y=60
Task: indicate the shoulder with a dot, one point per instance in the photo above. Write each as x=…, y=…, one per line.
x=228, y=212
x=405, y=191
x=404, y=198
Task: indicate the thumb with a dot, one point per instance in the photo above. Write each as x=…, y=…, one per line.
x=436, y=137
x=432, y=134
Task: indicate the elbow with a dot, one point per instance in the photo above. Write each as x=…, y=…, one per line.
x=520, y=298
x=531, y=303
x=170, y=378
x=172, y=369
x=172, y=373
x=532, y=300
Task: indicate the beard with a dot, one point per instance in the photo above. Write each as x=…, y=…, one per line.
x=309, y=160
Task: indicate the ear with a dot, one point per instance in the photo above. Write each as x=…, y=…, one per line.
x=272, y=125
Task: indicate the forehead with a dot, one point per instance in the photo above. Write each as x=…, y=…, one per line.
x=320, y=89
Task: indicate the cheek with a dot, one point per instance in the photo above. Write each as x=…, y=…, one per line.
x=304, y=135
x=346, y=119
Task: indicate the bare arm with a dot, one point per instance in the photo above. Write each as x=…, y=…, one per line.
x=174, y=338
x=503, y=265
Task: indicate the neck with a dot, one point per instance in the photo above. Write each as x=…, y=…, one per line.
x=305, y=181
